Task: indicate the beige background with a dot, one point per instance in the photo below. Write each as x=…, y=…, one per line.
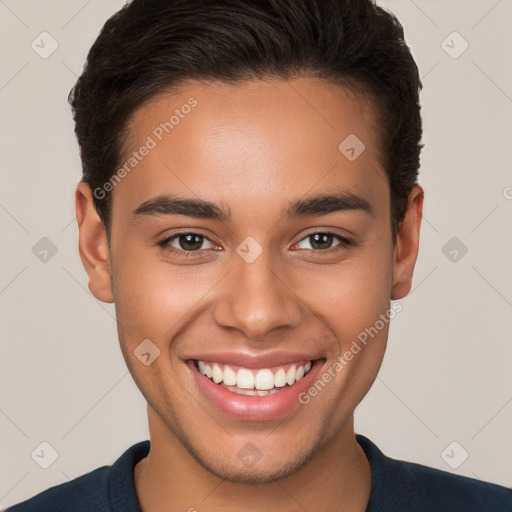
x=447, y=373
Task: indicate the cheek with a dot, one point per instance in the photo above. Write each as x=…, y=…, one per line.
x=152, y=299
x=353, y=301
x=361, y=315
x=355, y=305
x=349, y=296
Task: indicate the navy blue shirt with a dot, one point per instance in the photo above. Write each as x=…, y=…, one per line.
x=397, y=486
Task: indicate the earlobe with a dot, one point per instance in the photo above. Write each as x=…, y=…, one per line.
x=92, y=244
x=407, y=244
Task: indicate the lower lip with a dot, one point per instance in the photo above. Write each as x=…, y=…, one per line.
x=255, y=408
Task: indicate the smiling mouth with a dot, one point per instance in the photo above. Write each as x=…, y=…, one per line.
x=251, y=381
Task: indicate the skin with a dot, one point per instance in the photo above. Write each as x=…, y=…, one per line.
x=254, y=147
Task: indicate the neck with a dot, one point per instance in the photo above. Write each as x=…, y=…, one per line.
x=170, y=479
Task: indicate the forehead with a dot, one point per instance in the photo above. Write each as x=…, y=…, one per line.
x=251, y=144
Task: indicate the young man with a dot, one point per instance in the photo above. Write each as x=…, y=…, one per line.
x=250, y=204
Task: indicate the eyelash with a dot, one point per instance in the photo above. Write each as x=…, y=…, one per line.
x=344, y=243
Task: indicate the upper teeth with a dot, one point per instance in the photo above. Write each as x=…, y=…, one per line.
x=263, y=379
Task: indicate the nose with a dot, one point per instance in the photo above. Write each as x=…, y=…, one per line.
x=257, y=298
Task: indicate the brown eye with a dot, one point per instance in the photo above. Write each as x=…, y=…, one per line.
x=189, y=242
x=185, y=243
x=322, y=241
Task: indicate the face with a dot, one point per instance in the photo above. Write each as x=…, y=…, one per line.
x=250, y=285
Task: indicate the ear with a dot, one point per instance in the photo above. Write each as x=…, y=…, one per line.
x=407, y=243
x=92, y=244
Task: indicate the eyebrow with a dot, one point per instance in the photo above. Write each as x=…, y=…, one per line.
x=320, y=204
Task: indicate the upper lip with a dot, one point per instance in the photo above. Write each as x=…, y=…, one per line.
x=247, y=360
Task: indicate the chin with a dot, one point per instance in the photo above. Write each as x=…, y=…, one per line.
x=252, y=468
x=260, y=474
